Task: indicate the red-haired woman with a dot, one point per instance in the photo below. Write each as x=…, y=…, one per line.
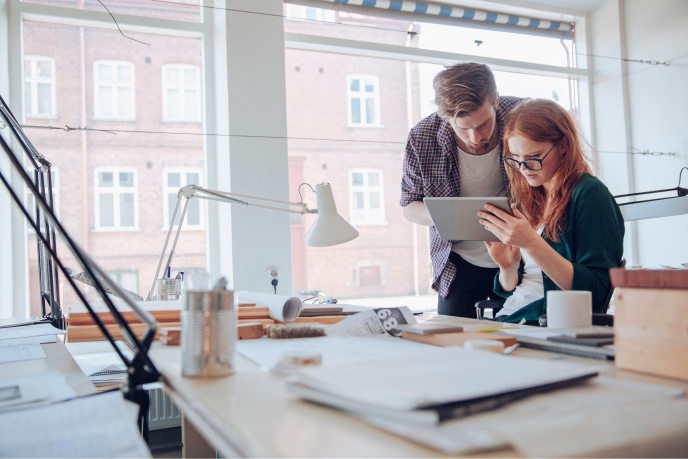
x=567, y=230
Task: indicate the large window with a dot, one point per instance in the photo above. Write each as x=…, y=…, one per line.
x=364, y=100
x=39, y=87
x=366, y=193
x=31, y=200
x=116, y=199
x=128, y=280
x=114, y=90
x=307, y=13
x=173, y=179
x=181, y=93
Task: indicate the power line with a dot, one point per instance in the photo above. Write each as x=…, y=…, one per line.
x=117, y=24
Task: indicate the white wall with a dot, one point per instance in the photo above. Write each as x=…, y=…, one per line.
x=644, y=107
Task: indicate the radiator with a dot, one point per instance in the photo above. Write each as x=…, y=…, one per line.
x=162, y=413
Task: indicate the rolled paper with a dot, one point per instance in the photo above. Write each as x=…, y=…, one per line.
x=280, y=307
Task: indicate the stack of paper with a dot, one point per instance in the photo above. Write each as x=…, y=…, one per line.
x=34, y=390
x=29, y=334
x=443, y=383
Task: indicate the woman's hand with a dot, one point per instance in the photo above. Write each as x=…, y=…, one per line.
x=506, y=256
x=514, y=231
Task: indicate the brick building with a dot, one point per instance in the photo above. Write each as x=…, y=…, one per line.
x=115, y=192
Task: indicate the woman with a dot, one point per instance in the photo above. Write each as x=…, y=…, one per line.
x=566, y=225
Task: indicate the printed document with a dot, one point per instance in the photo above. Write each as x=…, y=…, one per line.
x=19, y=353
x=374, y=322
x=26, y=331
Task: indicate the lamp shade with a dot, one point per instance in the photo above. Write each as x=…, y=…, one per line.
x=329, y=228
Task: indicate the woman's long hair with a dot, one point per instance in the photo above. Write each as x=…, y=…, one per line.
x=543, y=120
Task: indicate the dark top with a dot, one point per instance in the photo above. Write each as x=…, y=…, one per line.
x=592, y=242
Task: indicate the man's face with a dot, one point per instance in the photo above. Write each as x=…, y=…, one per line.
x=475, y=129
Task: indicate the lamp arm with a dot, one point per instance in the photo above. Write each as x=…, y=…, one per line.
x=176, y=236
x=224, y=195
x=164, y=248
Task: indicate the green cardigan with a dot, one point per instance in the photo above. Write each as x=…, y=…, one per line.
x=592, y=242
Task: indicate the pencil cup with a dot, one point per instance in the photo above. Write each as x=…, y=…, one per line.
x=569, y=309
x=169, y=289
x=208, y=333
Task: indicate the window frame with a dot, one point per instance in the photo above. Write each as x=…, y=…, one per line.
x=166, y=190
x=116, y=275
x=116, y=202
x=30, y=201
x=115, y=97
x=300, y=13
x=350, y=94
x=382, y=264
x=366, y=189
x=182, y=87
x=34, y=80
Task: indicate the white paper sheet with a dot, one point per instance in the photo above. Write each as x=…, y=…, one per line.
x=27, y=331
x=335, y=350
x=54, y=382
x=616, y=418
x=280, y=307
x=45, y=339
x=20, y=353
x=439, y=375
x=22, y=393
x=96, y=426
x=15, y=322
x=374, y=322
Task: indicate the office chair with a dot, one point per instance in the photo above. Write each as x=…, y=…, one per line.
x=599, y=317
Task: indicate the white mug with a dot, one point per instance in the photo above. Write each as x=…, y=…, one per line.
x=569, y=309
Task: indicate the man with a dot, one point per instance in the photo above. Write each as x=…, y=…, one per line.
x=460, y=144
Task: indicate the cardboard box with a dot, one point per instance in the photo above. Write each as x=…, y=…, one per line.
x=651, y=331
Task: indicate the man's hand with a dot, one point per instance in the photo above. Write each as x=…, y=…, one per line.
x=506, y=256
x=416, y=212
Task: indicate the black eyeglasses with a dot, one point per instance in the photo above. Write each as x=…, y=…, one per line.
x=532, y=164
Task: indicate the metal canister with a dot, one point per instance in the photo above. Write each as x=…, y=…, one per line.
x=208, y=333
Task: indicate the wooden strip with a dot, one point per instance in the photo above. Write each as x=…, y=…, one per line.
x=649, y=278
x=79, y=333
x=253, y=313
x=246, y=305
x=250, y=330
x=262, y=321
x=84, y=318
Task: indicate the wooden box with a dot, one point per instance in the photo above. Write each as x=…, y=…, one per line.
x=651, y=331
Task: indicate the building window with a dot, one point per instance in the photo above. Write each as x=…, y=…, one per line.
x=31, y=200
x=172, y=180
x=114, y=90
x=364, y=100
x=370, y=273
x=307, y=13
x=366, y=196
x=39, y=87
x=116, y=199
x=128, y=280
x=181, y=93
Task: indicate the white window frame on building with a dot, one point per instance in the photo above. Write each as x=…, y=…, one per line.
x=115, y=190
x=33, y=80
x=117, y=274
x=114, y=84
x=366, y=188
x=363, y=95
x=30, y=201
x=183, y=88
x=382, y=264
x=308, y=13
x=172, y=190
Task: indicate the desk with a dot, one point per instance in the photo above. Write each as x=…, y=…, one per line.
x=251, y=413
x=58, y=359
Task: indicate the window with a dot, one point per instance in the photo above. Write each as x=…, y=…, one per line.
x=298, y=12
x=114, y=90
x=116, y=199
x=172, y=180
x=39, y=87
x=366, y=195
x=31, y=201
x=364, y=100
x=181, y=93
x=128, y=280
x=370, y=273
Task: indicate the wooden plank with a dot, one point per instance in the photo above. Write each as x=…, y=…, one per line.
x=325, y=320
x=457, y=339
x=84, y=318
x=262, y=321
x=246, y=305
x=250, y=330
x=79, y=333
x=649, y=278
x=170, y=336
x=253, y=313
x=651, y=331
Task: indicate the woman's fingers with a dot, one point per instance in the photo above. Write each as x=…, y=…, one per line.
x=517, y=213
x=497, y=211
x=491, y=218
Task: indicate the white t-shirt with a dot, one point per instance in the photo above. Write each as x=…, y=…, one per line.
x=479, y=176
x=530, y=289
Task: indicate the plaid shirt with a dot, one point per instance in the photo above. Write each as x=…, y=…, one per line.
x=431, y=169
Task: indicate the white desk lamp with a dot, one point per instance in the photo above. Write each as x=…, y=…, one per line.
x=329, y=228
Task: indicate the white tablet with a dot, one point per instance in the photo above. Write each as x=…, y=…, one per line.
x=456, y=219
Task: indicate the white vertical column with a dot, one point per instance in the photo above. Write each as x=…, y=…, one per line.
x=258, y=163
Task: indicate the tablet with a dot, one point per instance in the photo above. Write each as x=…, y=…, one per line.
x=456, y=219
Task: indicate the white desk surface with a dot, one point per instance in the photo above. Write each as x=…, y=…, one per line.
x=251, y=413
x=58, y=359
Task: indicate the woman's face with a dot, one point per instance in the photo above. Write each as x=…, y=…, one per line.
x=522, y=148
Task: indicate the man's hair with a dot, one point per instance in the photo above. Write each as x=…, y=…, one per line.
x=463, y=88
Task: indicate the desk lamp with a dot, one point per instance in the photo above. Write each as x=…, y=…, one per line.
x=329, y=228
x=657, y=207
